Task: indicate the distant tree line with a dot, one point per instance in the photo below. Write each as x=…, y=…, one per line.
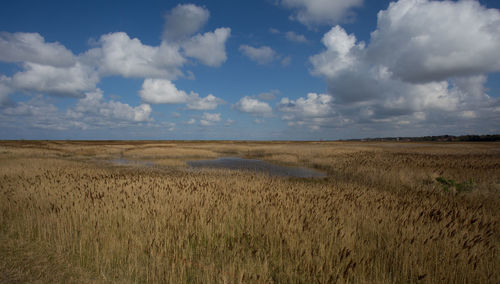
x=441, y=138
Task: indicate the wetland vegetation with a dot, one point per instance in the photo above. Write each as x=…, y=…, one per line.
x=384, y=212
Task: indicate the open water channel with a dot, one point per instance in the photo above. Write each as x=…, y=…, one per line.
x=236, y=163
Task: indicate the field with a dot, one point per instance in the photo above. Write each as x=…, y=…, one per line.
x=386, y=213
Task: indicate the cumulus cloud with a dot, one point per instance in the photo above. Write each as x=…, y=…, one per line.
x=436, y=39
x=209, y=102
x=90, y=112
x=93, y=104
x=35, y=107
x=313, y=106
x=209, y=48
x=5, y=90
x=206, y=122
x=63, y=81
x=52, y=69
x=341, y=53
x=286, y=61
x=228, y=122
x=268, y=96
x=141, y=112
x=47, y=67
x=357, y=84
x=253, y=106
x=214, y=117
x=209, y=119
x=261, y=55
x=422, y=82
x=35, y=113
x=183, y=21
x=31, y=47
x=292, y=36
x=274, y=31
x=160, y=91
x=315, y=12
x=119, y=54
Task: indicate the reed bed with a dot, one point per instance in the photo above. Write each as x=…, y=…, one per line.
x=380, y=216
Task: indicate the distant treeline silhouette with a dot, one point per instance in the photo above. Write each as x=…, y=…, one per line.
x=441, y=138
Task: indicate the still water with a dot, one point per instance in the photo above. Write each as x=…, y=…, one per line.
x=236, y=163
x=125, y=162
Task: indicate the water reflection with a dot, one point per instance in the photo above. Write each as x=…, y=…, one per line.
x=236, y=163
x=125, y=162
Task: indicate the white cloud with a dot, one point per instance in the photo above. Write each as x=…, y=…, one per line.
x=469, y=114
x=48, y=67
x=292, y=36
x=191, y=121
x=160, y=91
x=5, y=90
x=209, y=119
x=94, y=105
x=51, y=68
x=228, y=122
x=379, y=85
x=31, y=47
x=261, y=55
x=62, y=81
x=253, y=106
x=286, y=61
x=214, y=117
x=274, y=31
x=268, y=96
x=183, y=21
x=142, y=112
x=35, y=113
x=170, y=126
x=35, y=107
x=205, y=122
x=341, y=53
x=314, y=12
x=121, y=55
x=353, y=81
x=91, y=112
x=436, y=40
x=209, y=102
x=313, y=106
x=209, y=48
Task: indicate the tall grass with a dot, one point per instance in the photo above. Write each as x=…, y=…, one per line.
x=379, y=217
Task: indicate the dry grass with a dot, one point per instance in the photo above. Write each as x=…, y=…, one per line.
x=380, y=216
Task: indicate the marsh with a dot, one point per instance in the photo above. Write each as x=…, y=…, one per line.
x=236, y=163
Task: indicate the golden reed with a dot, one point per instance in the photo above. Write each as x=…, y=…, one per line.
x=69, y=215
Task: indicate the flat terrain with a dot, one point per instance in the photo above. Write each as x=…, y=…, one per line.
x=386, y=212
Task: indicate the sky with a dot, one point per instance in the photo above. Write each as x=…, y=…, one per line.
x=248, y=70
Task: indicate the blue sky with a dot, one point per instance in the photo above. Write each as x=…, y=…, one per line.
x=267, y=70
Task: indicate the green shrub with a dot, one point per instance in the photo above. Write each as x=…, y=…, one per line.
x=448, y=184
